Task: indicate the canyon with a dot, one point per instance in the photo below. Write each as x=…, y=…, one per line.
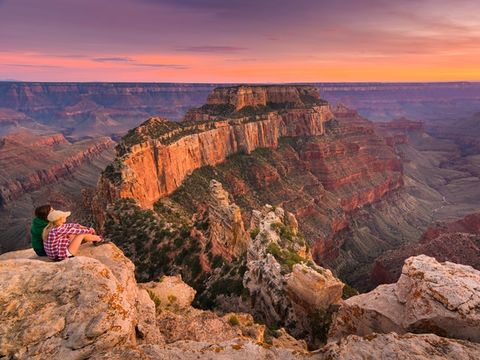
x=357, y=188
x=249, y=227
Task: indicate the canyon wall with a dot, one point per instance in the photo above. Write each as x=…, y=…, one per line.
x=30, y=162
x=155, y=158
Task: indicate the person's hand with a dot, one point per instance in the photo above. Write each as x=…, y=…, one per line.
x=93, y=231
x=96, y=238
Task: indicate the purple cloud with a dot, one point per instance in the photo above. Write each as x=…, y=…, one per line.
x=113, y=59
x=211, y=49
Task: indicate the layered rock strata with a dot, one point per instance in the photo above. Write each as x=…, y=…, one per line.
x=243, y=95
x=28, y=162
x=226, y=229
x=455, y=241
x=172, y=151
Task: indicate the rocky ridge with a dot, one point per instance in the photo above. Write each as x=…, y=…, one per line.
x=54, y=158
x=91, y=307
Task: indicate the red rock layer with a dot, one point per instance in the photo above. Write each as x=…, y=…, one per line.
x=457, y=241
x=151, y=169
x=353, y=162
x=242, y=96
x=27, y=161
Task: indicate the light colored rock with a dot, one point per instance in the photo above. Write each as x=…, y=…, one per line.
x=440, y=297
x=91, y=307
x=313, y=288
x=68, y=309
x=171, y=291
x=407, y=346
x=227, y=232
x=287, y=288
x=146, y=329
x=430, y=297
x=190, y=350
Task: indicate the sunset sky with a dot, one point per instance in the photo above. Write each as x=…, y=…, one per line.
x=239, y=40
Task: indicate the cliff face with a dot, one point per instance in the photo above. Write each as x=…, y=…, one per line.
x=29, y=162
x=226, y=229
x=242, y=96
x=171, y=151
x=92, y=109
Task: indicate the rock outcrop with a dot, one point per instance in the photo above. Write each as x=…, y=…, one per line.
x=172, y=151
x=225, y=224
x=407, y=346
x=285, y=286
x=429, y=297
x=90, y=306
x=455, y=241
x=69, y=309
x=273, y=95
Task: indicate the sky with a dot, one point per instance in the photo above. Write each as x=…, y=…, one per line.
x=239, y=40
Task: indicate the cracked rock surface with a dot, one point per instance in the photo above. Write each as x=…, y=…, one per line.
x=429, y=297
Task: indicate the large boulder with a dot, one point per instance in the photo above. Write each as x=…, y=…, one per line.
x=429, y=297
x=170, y=291
x=68, y=309
x=407, y=346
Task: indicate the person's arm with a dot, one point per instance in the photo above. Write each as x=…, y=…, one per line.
x=77, y=229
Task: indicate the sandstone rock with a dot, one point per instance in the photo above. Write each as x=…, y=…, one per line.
x=242, y=96
x=155, y=158
x=68, y=309
x=146, y=329
x=171, y=291
x=227, y=232
x=190, y=350
x=393, y=346
x=430, y=297
x=313, y=287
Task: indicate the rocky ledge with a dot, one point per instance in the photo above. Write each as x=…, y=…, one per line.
x=91, y=307
x=429, y=297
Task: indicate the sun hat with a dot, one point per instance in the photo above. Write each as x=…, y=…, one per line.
x=55, y=215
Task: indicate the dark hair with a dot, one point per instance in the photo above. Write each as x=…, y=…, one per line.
x=43, y=211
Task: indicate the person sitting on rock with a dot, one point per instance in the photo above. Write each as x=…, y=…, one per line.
x=61, y=239
x=39, y=223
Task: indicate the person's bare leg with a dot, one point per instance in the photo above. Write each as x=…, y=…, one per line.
x=77, y=241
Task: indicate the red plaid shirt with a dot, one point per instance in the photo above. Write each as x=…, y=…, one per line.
x=59, y=239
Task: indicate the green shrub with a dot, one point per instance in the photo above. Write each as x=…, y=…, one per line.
x=285, y=257
x=348, y=292
x=155, y=300
x=217, y=261
x=254, y=232
x=233, y=320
